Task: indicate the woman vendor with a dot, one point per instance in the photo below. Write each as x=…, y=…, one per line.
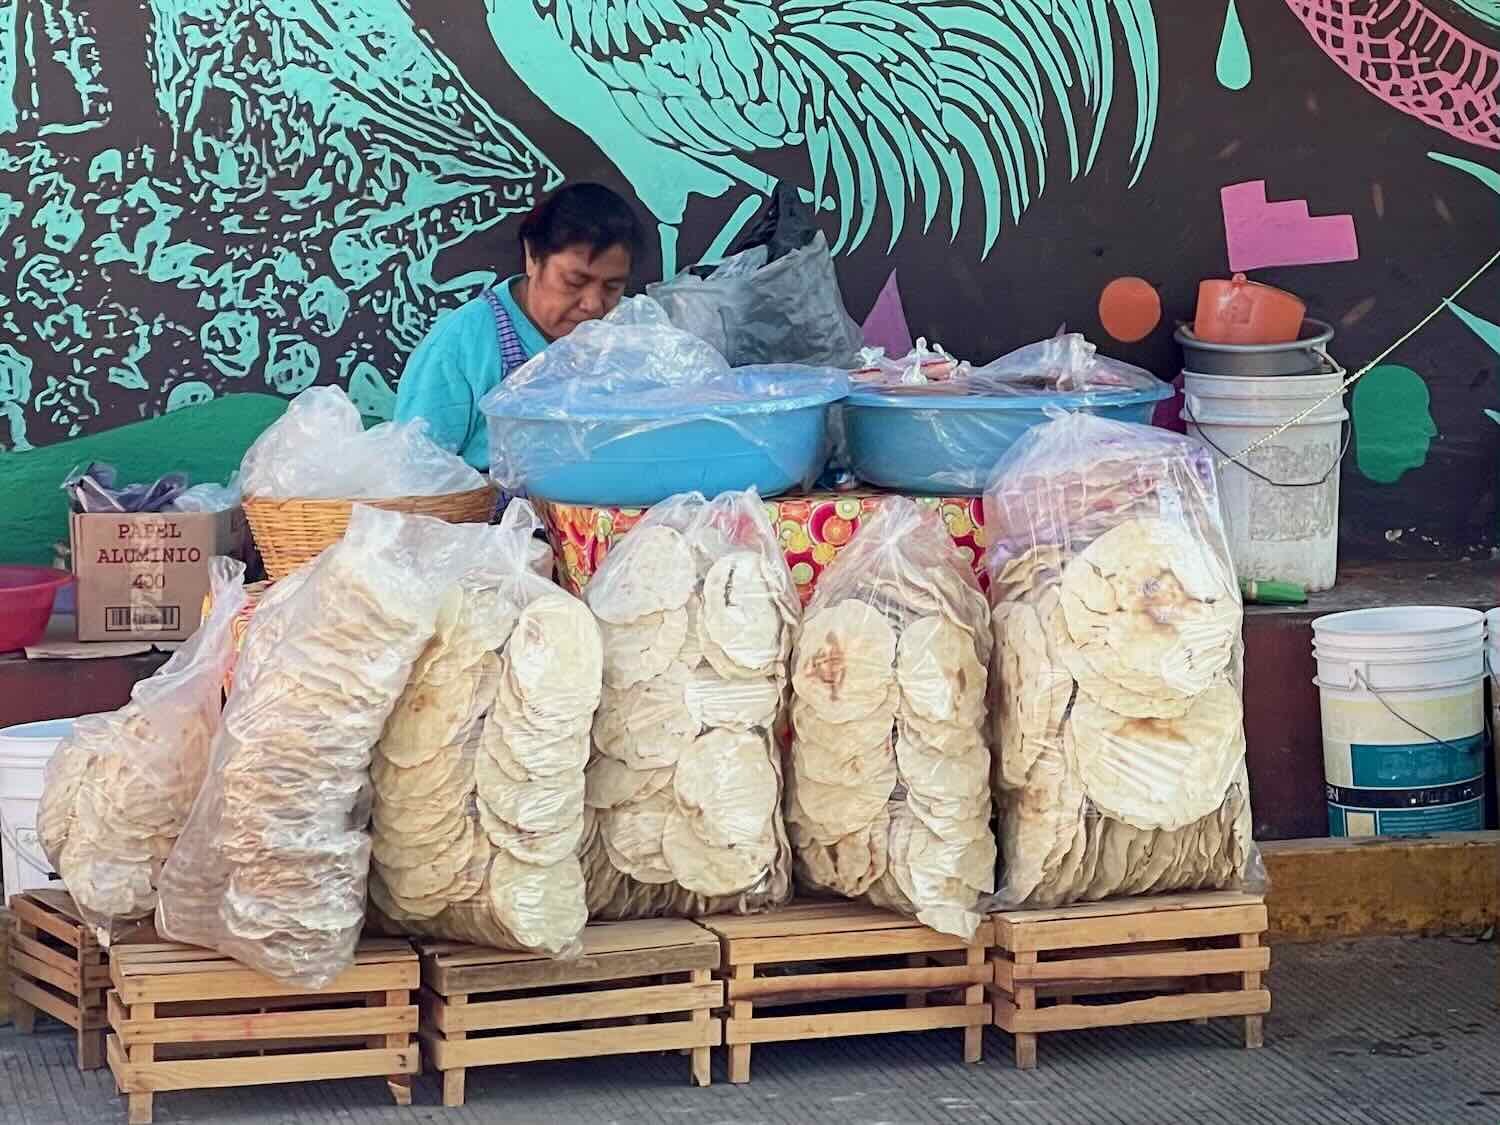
x=578, y=245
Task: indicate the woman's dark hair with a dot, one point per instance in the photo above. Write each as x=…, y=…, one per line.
x=581, y=215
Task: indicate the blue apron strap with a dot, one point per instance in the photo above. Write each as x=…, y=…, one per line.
x=512, y=355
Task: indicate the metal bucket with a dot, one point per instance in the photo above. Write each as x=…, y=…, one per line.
x=1306, y=355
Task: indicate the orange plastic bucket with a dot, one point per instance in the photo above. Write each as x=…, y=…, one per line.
x=1246, y=312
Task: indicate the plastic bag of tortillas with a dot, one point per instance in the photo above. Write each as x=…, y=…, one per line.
x=1118, y=728
x=888, y=794
x=271, y=868
x=478, y=776
x=697, y=610
x=119, y=788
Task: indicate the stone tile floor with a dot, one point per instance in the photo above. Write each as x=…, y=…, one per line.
x=1374, y=1032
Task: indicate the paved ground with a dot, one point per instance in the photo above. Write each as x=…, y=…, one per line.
x=1364, y=1033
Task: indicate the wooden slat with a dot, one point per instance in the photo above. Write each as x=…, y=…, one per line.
x=199, y=1074
x=215, y=984
x=1070, y=932
x=615, y=1004
x=808, y=918
x=62, y=962
x=41, y=970
x=831, y=947
x=599, y=938
x=776, y=1029
x=859, y=982
x=49, y=1002
x=61, y=928
x=448, y=1054
x=261, y=1026
x=1156, y=1009
x=1140, y=904
x=1196, y=962
x=449, y=980
x=96, y=976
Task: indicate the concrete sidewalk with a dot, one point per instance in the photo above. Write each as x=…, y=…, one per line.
x=1375, y=1032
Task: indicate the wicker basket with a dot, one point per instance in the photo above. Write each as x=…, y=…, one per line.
x=289, y=533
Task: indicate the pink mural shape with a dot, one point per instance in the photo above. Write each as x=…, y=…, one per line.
x=1413, y=60
x=1262, y=234
x=886, y=325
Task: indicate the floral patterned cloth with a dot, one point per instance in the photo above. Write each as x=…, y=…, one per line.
x=813, y=529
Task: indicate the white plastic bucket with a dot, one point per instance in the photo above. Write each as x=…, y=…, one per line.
x=1402, y=699
x=1282, y=512
x=24, y=753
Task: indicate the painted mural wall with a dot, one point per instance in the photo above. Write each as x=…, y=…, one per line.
x=208, y=205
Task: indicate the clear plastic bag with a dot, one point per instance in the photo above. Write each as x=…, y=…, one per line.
x=922, y=365
x=1066, y=364
x=478, y=777
x=209, y=497
x=1118, y=725
x=698, y=611
x=320, y=449
x=118, y=790
x=888, y=795
x=633, y=374
x=271, y=868
x=756, y=311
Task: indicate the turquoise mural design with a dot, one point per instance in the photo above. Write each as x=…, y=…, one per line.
x=315, y=160
x=283, y=220
x=895, y=105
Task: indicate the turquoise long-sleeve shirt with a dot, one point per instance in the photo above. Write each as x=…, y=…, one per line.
x=457, y=365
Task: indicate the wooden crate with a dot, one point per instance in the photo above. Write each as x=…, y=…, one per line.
x=851, y=970
x=58, y=968
x=1133, y=960
x=182, y=1018
x=639, y=986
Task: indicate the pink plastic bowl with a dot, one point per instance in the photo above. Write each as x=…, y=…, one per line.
x=26, y=596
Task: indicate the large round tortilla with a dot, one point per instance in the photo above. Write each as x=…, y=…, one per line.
x=555, y=658
x=739, y=704
x=543, y=907
x=844, y=661
x=838, y=810
x=610, y=782
x=727, y=789
x=643, y=648
x=740, y=614
x=655, y=571
x=710, y=868
x=939, y=672
x=1161, y=773
x=543, y=804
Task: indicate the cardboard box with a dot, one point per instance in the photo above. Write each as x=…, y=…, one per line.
x=813, y=529
x=145, y=576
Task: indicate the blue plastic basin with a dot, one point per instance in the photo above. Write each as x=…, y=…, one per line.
x=939, y=445
x=637, y=461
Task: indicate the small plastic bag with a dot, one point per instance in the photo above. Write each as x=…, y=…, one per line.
x=478, y=776
x=757, y=311
x=698, y=611
x=119, y=788
x=209, y=497
x=1066, y=364
x=320, y=449
x=922, y=365
x=271, y=868
x=1118, y=726
x=888, y=796
x=630, y=374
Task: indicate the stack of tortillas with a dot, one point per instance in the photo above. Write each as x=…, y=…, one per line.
x=119, y=788
x=1118, y=726
x=698, y=611
x=478, y=776
x=888, y=797
x=273, y=864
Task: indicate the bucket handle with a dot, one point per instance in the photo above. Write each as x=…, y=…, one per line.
x=24, y=854
x=1348, y=436
x=1361, y=681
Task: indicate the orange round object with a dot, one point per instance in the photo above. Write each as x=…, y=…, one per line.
x=1129, y=309
x=1240, y=311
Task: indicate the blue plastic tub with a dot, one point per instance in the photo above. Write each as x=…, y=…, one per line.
x=635, y=460
x=947, y=445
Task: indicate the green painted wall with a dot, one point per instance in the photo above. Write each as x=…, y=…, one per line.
x=206, y=440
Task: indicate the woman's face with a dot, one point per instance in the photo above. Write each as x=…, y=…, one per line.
x=574, y=285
